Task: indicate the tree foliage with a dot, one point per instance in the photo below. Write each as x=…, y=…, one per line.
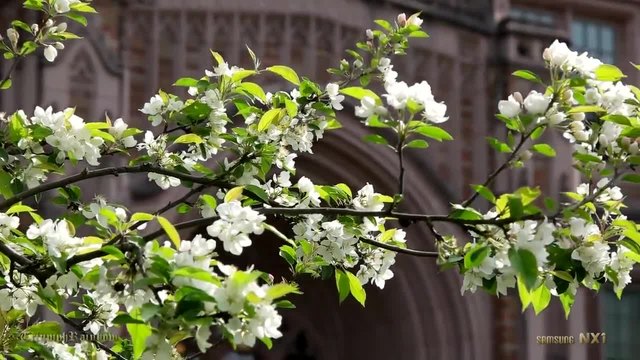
x=137, y=271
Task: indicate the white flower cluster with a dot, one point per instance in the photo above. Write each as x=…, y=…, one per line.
x=101, y=316
x=337, y=243
x=63, y=6
x=559, y=55
x=157, y=107
x=534, y=104
x=234, y=226
x=70, y=135
x=8, y=223
x=56, y=237
x=79, y=351
x=399, y=94
x=20, y=293
x=231, y=294
x=231, y=297
x=528, y=235
x=99, y=210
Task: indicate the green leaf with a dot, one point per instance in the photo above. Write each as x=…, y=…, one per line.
x=528, y=75
x=186, y=82
x=515, y=206
x=5, y=184
x=45, y=328
x=356, y=288
x=171, y=231
x=523, y=293
x=286, y=73
x=114, y=251
x=433, y=132
x=219, y=59
x=140, y=216
x=234, y=194
x=376, y=139
x=126, y=319
x=242, y=74
x=253, y=89
x=540, y=298
x=76, y=17
x=384, y=24
x=499, y=145
x=358, y=93
x=292, y=108
x=566, y=299
x=417, y=144
x=632, y=178
x=5, y=84
x=618, y=119
x=83, y=7
x=188, y=139
x=538, y=132
x=475, y=256
x=587, y=109
x=18, y=208
x=525, y=264
x=419, y=34
x=139, y=334
x=279, y=290
x=342, y=284
x=197, y=110
x=196, y=273
x=485, y=192
x=544, y=149
x=269, y=118
x=256, y=193
x=606, y=72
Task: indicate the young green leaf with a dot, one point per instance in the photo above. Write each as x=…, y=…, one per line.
x=170, y=230
x=286, y=73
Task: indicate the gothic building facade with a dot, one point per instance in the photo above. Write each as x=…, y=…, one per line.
x=134, y=47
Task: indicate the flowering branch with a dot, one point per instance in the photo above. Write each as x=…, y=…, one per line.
x=115, y=171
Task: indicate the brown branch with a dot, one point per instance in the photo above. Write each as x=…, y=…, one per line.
x=13, y=255
x=89, y=174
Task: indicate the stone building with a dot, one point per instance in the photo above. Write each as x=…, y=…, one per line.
x=135, y=47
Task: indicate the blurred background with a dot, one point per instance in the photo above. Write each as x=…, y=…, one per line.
x=134, y=47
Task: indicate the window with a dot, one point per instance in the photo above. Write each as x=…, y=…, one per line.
x=531, y=16
x=620, y=319
x=596, y=38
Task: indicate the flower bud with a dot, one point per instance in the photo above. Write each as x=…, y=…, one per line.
x=567, y=95
x=556, y=118
x=357, y=64
x=525, y=155
x=59, y=45
x=625, y=142
x=414, y=20
x=13, y=36
x=49, y=23
x=62, y=27
x=35, y=28
x=369, y=34
x=402, y=20
x=578, y=116
x=518, y=97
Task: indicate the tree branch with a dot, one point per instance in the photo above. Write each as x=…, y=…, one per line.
x=13, y=255
x=89, y=174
